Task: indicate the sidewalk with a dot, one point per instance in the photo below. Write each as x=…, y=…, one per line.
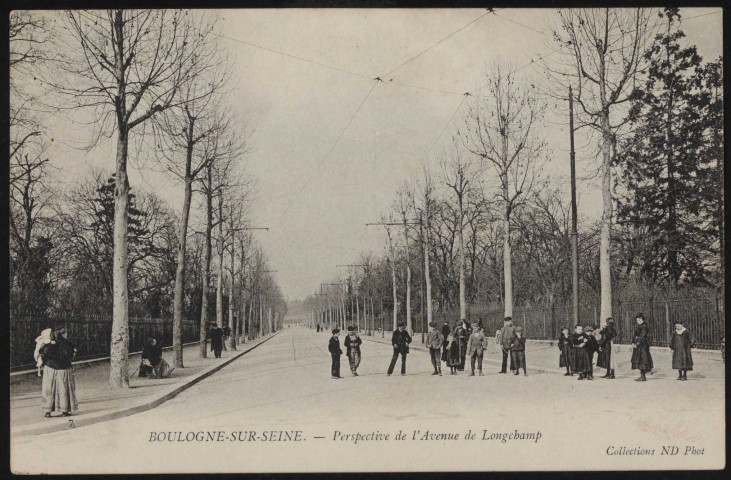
x=543, y=355
x=98, y=401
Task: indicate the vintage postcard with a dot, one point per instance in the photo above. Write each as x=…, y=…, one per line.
x=503, y=229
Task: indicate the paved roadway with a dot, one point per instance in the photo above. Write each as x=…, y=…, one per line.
x=285, y=385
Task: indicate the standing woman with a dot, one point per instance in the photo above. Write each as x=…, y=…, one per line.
x=461, y=335
x=641, y=358
x=606, y=358
x=564, y=346
x=680, y=344
x=446, y=331
x=58, y=390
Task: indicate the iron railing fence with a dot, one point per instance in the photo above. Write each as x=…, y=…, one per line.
x=91, y=334
x=704, y=318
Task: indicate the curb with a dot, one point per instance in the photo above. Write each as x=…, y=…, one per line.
x=141, y=406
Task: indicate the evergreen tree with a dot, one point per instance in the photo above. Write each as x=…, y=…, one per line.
x=665, y=162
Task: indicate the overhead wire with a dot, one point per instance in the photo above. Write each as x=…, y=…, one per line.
x=440, y=41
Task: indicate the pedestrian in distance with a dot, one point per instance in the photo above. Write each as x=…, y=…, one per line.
x=581, y=361
x=434, y=341
x=335, y=352
x=58, y=389
x=461, y=335
x=607, y=358
x=226, y=335
x=517, y=351
x=400, y=341
x=352, y=345
x=446, y=331
x=506, y=336
x=152, y=353
x=476, y=345
x=567, y=352
x=680, y=344
x=592, y=346
x=641, y=358
x=216, y=334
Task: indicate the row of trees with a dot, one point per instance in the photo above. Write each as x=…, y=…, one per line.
x=490, y=219
x=156, y=84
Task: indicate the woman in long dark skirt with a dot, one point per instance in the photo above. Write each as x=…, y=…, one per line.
x=567, y=353
x=461, y=335
x=58, y=389
x=680, y=344
x=446, y=331
x=641, y=358
x=581, y=363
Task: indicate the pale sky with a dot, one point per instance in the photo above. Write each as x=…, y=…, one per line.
x=317, y=207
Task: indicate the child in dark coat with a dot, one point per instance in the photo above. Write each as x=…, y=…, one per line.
x=592, y=346
x=517, y=351
x=335, y=352
x=680, y=344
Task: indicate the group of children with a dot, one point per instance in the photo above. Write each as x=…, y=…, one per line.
x=577, y=350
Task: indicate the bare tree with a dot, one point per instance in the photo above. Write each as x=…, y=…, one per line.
x=459, y=178
x=602, y=56
x=183, y=129
x=500, y=129
x=392, y=262
x=125, y=66
x=403, y=206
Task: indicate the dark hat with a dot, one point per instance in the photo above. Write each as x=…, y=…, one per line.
x=588, y=329
x=351, y=328
x=508, y=319
x=57, y=326
x=400, y=324
x=610, y=320
x=336, y=330
x=433, y=324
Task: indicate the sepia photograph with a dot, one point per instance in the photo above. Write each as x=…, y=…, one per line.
x=504, y=228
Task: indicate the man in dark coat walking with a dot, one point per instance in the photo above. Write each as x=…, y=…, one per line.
x=506, y=337
x=400, y=341
x=216, y=340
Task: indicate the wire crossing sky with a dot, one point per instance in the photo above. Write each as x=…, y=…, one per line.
x=333, y=137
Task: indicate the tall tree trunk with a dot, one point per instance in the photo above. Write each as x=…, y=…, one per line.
x=119, y=346
x=179, y=277
x=507, y=261
x=409, y=327
x=231, y=320
x=219, y=280
x=427, y=276
x=605, y=272
x=206, y=264
x=462, y=288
